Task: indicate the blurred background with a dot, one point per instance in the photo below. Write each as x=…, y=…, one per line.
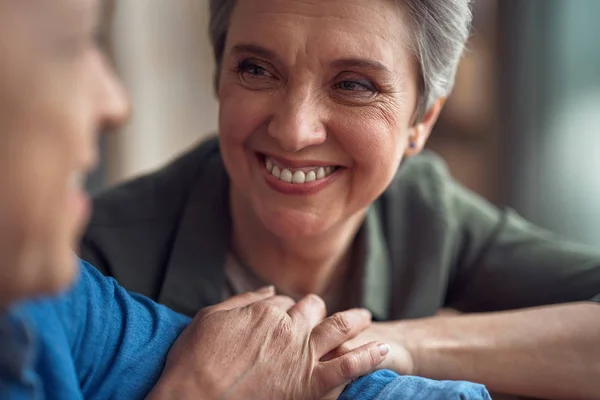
x=522, y=127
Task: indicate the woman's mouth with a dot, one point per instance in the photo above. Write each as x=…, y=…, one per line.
x=298, y=176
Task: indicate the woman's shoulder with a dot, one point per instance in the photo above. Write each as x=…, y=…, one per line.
x=426, y=163
x=424, y=186
x=133, y=224
x=158, y=193
x=424, y=178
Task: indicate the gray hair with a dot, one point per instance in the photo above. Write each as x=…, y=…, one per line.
x=441, y=30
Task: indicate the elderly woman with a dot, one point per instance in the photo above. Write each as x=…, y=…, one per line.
x=305, y=189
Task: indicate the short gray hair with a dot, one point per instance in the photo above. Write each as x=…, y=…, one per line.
x=441, y=29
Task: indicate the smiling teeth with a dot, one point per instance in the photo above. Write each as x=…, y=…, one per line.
x=299, y=176
x=321, y=173
x=286, y=175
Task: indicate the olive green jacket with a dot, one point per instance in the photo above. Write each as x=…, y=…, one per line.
x=430, y=243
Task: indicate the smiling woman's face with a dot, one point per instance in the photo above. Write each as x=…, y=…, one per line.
x=316, y=106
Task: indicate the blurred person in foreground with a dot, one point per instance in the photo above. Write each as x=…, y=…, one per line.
x=93, y=339
x=317, y=184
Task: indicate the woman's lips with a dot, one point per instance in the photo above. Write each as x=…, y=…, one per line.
x=304, y=179
x=298, y=176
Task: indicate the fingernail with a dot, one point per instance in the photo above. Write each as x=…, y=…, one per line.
x=384, y=348
x=266, y=289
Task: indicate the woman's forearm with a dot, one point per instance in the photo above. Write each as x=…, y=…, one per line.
x=549, y=352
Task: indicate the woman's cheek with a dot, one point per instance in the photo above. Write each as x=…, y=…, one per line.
x=374, y=149
x=241, y=113
x=368, y=140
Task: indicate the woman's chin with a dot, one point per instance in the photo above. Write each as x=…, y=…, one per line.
x=295, y=224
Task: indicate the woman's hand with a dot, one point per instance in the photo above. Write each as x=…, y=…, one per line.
x=399, y=359
x=519, y=352
x=252, y=347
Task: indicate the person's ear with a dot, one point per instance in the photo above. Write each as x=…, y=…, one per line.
x=420, y=131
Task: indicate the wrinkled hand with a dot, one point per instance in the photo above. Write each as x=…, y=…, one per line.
x=399, y=358
x=260, y=346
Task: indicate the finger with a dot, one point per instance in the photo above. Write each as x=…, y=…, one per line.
x=350, y=366
x=337, y=352
x=284, y=303
x=308, y=312
x=340, y=327
x=245, y=299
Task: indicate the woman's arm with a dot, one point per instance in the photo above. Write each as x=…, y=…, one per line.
x=499, y=262
x=547, y=352
x=544, y=341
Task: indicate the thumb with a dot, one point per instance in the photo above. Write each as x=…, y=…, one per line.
x=350, y=366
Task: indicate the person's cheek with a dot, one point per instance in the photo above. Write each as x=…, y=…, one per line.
x=376, y=158
x=239, y=122
x=243, y=112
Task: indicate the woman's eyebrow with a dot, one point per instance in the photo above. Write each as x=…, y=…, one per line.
x=360, y=63
x=263, y=52
x=254, y=49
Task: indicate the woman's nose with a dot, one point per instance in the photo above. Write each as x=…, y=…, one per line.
x=297, y=123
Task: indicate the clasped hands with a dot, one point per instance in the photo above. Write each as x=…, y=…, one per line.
x=262, y=346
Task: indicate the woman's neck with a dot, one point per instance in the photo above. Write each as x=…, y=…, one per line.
x=297, y=266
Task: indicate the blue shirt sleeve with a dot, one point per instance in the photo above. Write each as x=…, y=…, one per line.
x=119, y=341
x=387, y=385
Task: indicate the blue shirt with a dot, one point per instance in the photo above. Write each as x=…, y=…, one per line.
x=98, y=341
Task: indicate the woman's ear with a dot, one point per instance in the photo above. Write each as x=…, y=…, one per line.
x=419, y=132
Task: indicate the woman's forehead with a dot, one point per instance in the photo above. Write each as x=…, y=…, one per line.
x=341, y=28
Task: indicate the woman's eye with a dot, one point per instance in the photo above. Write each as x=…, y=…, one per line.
x=256, y=70
x=356, y=86
x=255, y=76
x=253, y=69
